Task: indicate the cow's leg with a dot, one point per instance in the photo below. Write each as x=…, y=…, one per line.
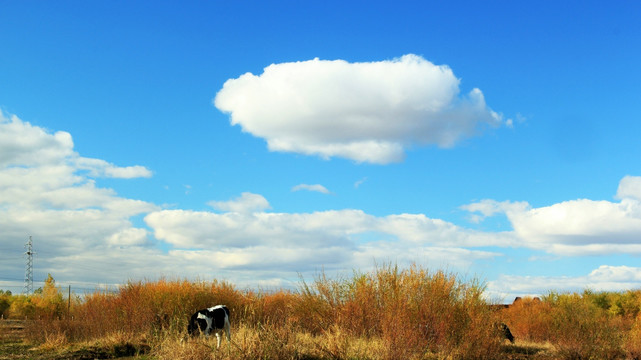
x=227, y=331
x=209, y=326
x=217, y=340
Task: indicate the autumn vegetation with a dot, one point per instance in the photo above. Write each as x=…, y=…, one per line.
x=389, y=313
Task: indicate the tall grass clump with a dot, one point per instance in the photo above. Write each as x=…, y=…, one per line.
x=415, y=312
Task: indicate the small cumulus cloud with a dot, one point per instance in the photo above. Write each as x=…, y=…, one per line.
x=367, y=112
x=101, y=168
x=489, y=207
x=314, y=188
x=509, y=123
x=520, y=119
x=629, y=187
x=360, y=182
x=129, y=237
x=246, y=203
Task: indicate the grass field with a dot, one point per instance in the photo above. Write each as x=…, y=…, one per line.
x=247, y=344
x=390, y=313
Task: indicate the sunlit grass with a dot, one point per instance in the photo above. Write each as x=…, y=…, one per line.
x=389, y=313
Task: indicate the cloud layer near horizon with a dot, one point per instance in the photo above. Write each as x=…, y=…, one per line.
x=367, y=112
x=49, y=191
x=603, y=278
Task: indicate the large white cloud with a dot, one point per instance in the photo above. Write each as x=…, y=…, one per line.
x=246, y=203
x=368, y=112
x=575, y=227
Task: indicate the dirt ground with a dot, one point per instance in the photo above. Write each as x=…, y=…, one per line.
x=13, y=346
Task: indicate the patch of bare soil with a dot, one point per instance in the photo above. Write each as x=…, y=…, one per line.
x=528, y=351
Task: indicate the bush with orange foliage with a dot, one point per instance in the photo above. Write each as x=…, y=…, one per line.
x=46, y=303
x=149, y=307
x=409, y=313
x=389, y=313
x=580, y=329
x=580, y=326
x=529, y=319
x=414, y=311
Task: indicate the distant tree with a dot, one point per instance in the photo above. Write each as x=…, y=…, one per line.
x=21, y=307
x=49, y=301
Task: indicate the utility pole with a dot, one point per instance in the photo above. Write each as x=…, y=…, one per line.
x=28, y=274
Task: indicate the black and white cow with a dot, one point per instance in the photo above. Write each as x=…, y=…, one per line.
x=214, y=319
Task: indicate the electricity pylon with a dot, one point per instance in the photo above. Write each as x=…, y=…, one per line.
x=28, y=274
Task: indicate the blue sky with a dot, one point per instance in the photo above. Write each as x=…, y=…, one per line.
x=253, y=142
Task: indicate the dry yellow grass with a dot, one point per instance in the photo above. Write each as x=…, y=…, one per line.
x=389, y=313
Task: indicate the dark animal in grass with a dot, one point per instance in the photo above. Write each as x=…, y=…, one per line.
x=507, y=334
x=214, y=319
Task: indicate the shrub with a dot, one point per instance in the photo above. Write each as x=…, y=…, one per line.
x=413, y=311
x=5, y=304
x=529, y=319
x=625, y=304
x=582, y=330
x=21, y=307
